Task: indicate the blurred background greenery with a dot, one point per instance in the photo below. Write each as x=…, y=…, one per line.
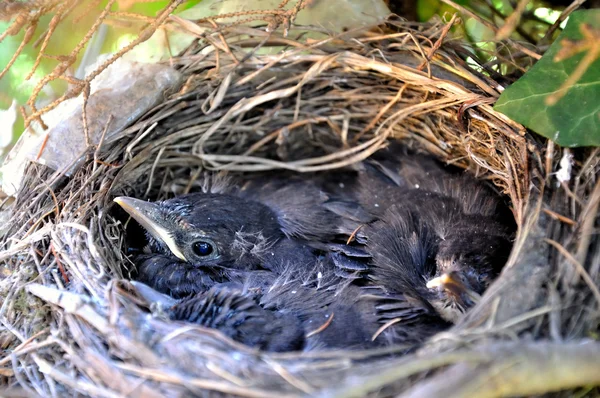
x=114, y=35
x=128, y=19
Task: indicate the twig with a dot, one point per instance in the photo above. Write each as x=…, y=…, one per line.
x=588, y=219
x=512, y=21
x=212, y=385
x=560, y=217
x=580, y=269
x=491, y=26
x=518, y=369
x=567, y=11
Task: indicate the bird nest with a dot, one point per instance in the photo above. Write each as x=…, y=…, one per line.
x=73, y=324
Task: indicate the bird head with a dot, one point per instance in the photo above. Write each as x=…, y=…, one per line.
x=454, y=293
x=206, y=230
x=465, y=267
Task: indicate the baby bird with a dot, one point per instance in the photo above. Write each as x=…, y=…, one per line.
x=264, y=262
x=295, y=311
x=265, y=275
x=200, y=239
x=435, y=234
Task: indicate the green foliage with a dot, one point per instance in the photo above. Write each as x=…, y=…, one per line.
x=66, y=37
x=426, y=9
x=14, y=86
x=153, y=8
x=574, y=120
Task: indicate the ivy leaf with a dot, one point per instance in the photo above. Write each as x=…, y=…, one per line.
x=559, y=97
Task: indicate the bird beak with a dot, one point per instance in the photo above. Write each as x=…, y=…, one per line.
x=435, y=282
x=455, y=286
x=150, y=217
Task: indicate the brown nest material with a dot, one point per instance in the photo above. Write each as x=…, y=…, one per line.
x=70, y=324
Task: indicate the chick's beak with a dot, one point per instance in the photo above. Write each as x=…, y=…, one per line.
x=150, y=218
x=451, y=283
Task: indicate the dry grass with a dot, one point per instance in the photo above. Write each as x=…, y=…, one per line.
x=71, y=326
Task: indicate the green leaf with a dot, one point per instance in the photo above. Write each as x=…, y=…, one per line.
x=575, y=119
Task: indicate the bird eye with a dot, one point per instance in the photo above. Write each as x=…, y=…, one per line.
x=202, y=248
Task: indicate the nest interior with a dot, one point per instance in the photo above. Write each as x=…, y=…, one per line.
x=71, y=324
